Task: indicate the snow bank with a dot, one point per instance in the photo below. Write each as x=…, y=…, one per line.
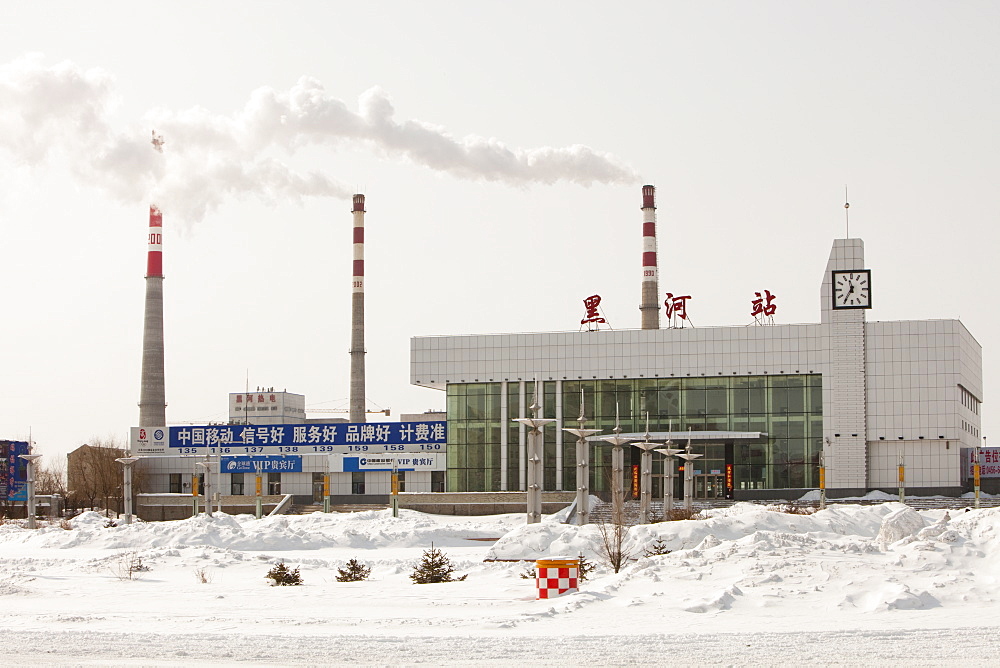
x=365, y=530
x=535, y=541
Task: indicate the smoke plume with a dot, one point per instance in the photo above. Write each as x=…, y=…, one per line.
x=208, y=157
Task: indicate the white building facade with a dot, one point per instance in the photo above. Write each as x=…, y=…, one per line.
x=762, y=404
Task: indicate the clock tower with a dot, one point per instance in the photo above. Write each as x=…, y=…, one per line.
x=845, y=295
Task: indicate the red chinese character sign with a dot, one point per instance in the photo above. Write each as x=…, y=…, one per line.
x=676, y=309
x=763, y=308
x=593, y=318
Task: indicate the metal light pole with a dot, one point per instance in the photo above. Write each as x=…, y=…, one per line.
x=582, y=466
x=127, y=462
x=259, y=510
x=902, y=477
x=645, y=475
x=617, y=467
x=534, y=472
x=668, y=453
x=822, y=480
x=31, y=488
x=976, y=471
x=326, y=492
x=208, y=486
x=395, y=488
x=688, y=458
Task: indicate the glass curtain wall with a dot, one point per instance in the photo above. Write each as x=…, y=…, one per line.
x=787, y=408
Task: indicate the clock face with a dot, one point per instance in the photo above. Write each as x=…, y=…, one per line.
x=852, y=289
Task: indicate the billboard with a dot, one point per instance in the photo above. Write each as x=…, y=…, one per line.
x=404, y=462
x=301, y=439
x=14, y=481
x=989, y=463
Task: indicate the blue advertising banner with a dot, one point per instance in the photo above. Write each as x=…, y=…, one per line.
x=268, y=464
x=308, y=438
x=14, y=481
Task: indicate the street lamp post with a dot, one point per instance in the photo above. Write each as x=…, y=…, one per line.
x=976, y=471
x=617, y=467
x=582, y=466
x=645, y=475
x=395, y=488
x=31, y=488
x=688, y=458
x=127, y=461
x=822, y=479
x=668, y=453
x=259, y=505
x=208, y=485
x=534, y=463
x=902, y=477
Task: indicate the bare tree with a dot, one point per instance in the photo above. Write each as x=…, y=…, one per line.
x=50, y=478
x=614, y=533
x=94, y=475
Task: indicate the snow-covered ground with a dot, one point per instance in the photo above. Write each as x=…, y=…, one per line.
x=850, y=585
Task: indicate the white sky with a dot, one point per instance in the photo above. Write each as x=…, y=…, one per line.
x=749, y=118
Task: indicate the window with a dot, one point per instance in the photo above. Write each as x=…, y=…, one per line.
x=175, y=483
x=274, y=483
x=236, y=486
x=437, y=481
x=358, y=482
x=402, y=480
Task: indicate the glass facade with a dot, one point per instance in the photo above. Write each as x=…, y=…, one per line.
x=787, y=409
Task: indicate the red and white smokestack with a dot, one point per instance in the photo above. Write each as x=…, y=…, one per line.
x=357, y=398
x=152, y=391
x=649, y=306
x=154, y=255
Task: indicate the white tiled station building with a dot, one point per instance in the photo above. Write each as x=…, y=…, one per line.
x=761, y=403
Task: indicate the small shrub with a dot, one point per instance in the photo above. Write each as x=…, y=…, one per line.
x=282, y=576
x=658, y=547
x=64, y=524
x=792, y=509
x=129, y=565
x=676, y=514
x=110, y=524
x=353, y=571
x=434, y=566
x=203, y=576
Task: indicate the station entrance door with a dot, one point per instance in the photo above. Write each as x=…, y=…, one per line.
x=709, y=486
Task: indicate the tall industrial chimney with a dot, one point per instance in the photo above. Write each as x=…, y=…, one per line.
x=152, y=393
x=357, y=400
x=649, y=307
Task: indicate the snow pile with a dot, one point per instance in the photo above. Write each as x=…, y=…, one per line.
x=885, y=575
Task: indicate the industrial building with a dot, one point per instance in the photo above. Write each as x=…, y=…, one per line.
x=765, y=405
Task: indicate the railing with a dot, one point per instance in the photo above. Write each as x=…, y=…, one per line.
x=282, y=506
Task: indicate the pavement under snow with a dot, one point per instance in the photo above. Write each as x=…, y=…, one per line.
x=850, y=585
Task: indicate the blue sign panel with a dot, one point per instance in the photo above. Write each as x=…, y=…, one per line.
x=321, y=437
x=14, y=481
x=267, y=464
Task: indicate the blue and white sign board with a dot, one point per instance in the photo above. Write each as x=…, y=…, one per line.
x=301, y=439
x=267, y=464
x=404, y=462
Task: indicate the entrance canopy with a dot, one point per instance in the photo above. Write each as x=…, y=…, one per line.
x=683, y=436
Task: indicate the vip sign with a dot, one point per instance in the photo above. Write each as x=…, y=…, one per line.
x=340, y=463
x=149, y=441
